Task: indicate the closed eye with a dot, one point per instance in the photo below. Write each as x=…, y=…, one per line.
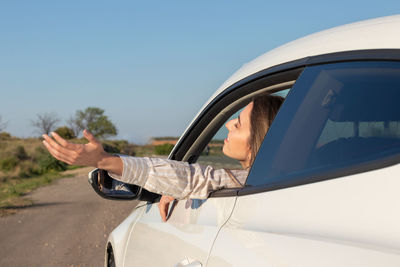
x=237, y=122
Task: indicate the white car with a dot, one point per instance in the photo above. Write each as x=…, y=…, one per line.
x=324, y=189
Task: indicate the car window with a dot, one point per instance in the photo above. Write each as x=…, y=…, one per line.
x=338, y=118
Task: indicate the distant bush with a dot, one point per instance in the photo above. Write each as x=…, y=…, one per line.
x=28, y=169
x=129, y=149
x=144, y=151
x=110, y=148
x=125, y=147
x=65, y=132
x=163, y=149
x=165, y=138
x=8, y=163
x=48, y=163
x=5, y=136
x=119, y=146
x=20, y=153
x=39, y=153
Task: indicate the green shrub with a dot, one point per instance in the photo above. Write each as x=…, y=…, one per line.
x=28, y=169
x=129, y=149
x=20, y=153
x=144, y=151
x=163, y=149
x=119, y=146
x=8, y=163
x=39, y=153
x=110, y=148
x=48, y=163
x=65, y=132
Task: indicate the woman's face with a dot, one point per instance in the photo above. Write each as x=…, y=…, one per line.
x=236, y=145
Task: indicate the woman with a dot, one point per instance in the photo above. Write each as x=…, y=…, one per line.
x=176, y=179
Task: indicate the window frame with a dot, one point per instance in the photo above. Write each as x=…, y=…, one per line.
x=214, y=116
x=239, y=96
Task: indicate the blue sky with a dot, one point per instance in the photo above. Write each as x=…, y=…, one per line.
x=150, y=65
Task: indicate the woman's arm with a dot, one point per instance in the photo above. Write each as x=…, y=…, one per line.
x=176, y=178
x=166, y=177
x=90, y=154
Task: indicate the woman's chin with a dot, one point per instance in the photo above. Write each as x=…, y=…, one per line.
x=224, y=151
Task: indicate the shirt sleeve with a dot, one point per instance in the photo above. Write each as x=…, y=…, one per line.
x=176, y=178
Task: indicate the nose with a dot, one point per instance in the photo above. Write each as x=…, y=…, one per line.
x=229, y=124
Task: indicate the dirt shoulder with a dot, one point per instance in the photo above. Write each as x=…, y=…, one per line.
x=67, y=225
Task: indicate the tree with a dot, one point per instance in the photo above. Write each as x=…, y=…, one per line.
x=45, y=122
x=3, y=125
x=95, y=121
x=74, y=126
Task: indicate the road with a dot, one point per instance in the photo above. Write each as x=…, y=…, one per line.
x=67, y=225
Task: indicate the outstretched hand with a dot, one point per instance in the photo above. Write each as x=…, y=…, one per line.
x=90, y=154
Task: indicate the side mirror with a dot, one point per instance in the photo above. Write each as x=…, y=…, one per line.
x=107, y=187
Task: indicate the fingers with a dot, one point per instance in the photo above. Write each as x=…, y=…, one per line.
x=90, y=137
x=61, y=151
x=61, y=140
x=55, y=153
x=163, y=206
x=54, y=145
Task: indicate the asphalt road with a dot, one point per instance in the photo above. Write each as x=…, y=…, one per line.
x=68, y=225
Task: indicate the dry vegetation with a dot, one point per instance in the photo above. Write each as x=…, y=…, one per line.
x=25, y=165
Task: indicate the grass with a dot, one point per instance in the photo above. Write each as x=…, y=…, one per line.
x=24, y=166
x=13, y=189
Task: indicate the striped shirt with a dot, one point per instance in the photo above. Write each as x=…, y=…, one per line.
x=176, y=178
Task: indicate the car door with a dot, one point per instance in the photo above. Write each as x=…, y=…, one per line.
x=324, y=188
x=187, y=237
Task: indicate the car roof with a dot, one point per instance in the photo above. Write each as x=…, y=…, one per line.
x=379, y=33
